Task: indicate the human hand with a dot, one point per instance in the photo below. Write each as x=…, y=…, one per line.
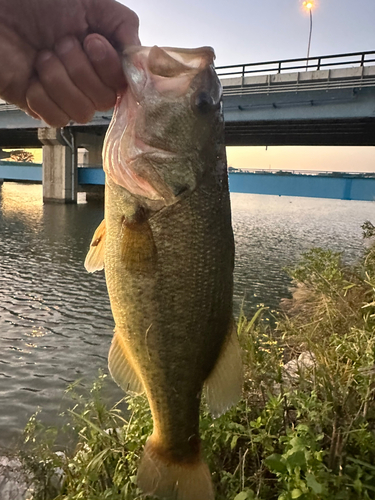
x=59, y=59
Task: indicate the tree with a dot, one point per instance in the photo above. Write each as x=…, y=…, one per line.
x=21, y=155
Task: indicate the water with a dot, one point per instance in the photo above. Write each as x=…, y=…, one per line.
x=55, y=320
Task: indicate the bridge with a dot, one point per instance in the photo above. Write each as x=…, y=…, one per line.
x=325, y=100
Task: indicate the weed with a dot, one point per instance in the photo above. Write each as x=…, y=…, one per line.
x=305, y=428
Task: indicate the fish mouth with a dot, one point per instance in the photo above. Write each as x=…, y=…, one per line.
x=171, y=70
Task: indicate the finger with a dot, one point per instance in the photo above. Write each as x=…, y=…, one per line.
x=43, y=107
x=83, y=75
x=116, y=22
x=60, y=88
x=105, y=61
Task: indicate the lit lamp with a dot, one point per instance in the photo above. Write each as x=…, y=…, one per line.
x=309, y=5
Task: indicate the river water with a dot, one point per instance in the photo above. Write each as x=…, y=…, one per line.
x=55, y=320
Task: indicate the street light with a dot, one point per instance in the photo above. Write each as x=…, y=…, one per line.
x=309, y=5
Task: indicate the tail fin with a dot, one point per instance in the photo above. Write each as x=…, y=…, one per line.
x=173, y=481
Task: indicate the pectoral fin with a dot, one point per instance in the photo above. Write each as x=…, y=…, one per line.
x=95, y=257
x=138, y=250
x=121, y=367
x=223, y=388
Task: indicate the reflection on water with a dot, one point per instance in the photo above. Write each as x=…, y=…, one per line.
x=55, y=320
x=23, y=204
x=272, y=231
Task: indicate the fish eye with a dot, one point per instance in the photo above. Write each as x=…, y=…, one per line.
x=204, y=103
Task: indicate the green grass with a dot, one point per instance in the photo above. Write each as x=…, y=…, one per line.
x=303, y=430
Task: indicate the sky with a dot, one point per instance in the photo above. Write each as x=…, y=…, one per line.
x=244, y=31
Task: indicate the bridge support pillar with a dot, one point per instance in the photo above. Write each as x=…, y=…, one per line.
x=59, y=165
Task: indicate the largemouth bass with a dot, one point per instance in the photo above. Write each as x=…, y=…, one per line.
x=166, y=245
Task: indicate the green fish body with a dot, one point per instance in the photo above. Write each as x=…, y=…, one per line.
x=166, y=245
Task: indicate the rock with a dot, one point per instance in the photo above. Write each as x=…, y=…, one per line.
x=58, y=478
x=307, y=360
x=292, y=370
x=16, y=484
x=13, y=480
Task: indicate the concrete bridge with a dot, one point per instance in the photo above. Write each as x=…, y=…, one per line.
x=324, y=101
x=327, y=100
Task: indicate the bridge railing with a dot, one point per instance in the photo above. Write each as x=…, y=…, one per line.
x=352, y=59
x=352, y=70
x=321, y=173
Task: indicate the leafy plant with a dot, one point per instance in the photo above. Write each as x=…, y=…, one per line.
x=305, y=428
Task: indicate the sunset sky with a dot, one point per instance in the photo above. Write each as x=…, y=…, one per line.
x=244, y=31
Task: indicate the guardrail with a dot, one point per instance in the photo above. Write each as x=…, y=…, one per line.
x=351, y=59
x=346, y=71
x=325, y=173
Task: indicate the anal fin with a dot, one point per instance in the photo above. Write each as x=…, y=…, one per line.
x=121, y=368
x=223, y=387
x=95, y=257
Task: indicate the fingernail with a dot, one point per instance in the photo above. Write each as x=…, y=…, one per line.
x=44, y=56
x=96, y=49
x=32, y=114
x=65, y=45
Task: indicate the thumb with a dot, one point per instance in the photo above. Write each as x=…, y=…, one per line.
x=105, y=60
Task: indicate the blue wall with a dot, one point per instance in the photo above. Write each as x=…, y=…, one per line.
x=89, y=175
x=318, y=186
x=20, y=171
